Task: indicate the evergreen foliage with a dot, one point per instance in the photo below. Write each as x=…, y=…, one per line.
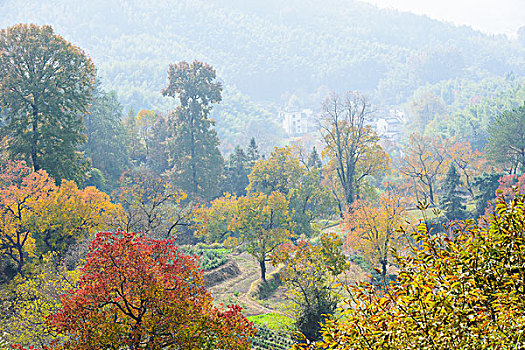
x=507, y=140
x=236, y=172
x=451, y=200
x=106, y=138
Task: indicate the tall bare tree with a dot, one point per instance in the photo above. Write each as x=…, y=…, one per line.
x=351, y=145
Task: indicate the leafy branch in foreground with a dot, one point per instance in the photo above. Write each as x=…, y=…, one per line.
x=463, y=289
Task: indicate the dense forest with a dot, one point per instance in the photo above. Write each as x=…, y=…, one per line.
x=265, y=54
x=154, y=195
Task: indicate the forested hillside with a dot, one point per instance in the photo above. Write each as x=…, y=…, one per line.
x=268, y=50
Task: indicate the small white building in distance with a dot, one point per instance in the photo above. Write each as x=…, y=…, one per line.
x=298, y=122
x=390, y=126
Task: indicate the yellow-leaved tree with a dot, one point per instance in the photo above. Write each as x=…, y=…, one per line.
x=262, y=222
x=37, y=216
x=461, y=289
x=373, y=229
x=34, y=299
x=351, y=146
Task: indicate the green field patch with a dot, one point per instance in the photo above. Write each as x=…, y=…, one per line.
x=272, y=321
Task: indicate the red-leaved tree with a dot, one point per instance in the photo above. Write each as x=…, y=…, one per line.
x=138, y=293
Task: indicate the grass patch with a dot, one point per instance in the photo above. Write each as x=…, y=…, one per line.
x=415, y=215
x=261, y=290
x=272, y=321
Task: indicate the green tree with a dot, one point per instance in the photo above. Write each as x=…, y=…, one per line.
x=45, y=89
x=157, y=152
x=106, y=136
x=486, y=185
x=252, y=151
x=309, y=278
x=314, y=161
x=193, y=144
x=236, y=172
x=507, y=140
x=451, y=200
x=133, y=143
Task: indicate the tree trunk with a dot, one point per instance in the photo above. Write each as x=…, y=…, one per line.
x=20, y=250
x=34, y=143
x=431, y=192
x=192, y=146
x=263, y=270
x=383, y=270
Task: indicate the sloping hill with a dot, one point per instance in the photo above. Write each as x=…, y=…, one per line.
x=269, y=48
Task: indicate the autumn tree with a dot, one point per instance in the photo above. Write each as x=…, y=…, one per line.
x=152, y=205
x=283, y=171
x=468, y=162
x=459, y=291
x=19, y=198
x=193, y=144
x=33, y=299
x=70, y=214
x=262, y=222
x=351, y=145
x=37, y=216
x=309, y=276
x=45, y=89
x=372, y=229
x=137, y=293
x=425, y=162
x=507, y=140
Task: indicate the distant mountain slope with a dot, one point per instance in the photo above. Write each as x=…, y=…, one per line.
x=268, y=48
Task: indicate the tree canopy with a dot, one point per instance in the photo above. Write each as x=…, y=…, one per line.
x=461, y=289
x=45, y=88
x=136, y=293
x=196, y=162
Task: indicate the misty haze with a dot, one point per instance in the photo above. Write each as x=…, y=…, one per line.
x=237, y=174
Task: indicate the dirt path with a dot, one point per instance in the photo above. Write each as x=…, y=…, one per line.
x=236, y=290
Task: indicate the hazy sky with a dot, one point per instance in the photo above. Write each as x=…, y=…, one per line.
x=490, y=16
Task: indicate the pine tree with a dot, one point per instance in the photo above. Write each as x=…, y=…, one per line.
x=252, y=151
x=314, y=162
x=236, y=172
x=451, y=199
